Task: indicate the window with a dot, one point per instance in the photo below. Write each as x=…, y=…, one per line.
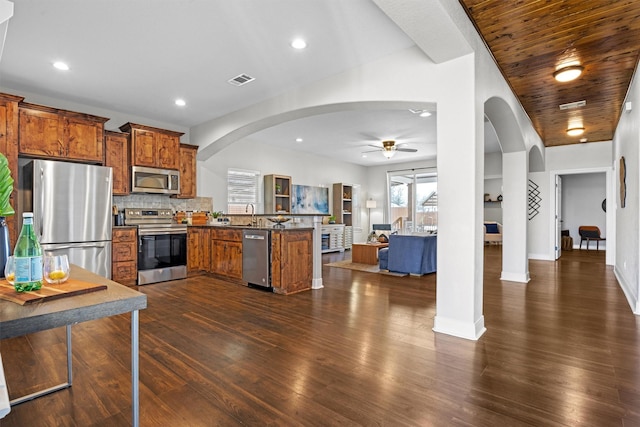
x=243, y=188
x=413, y=200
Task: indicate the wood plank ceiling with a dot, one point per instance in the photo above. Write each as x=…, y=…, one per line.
x=531, y=38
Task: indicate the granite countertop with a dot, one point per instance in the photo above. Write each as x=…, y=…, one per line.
x=264, y=227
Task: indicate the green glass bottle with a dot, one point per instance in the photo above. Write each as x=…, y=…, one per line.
x=28, y=257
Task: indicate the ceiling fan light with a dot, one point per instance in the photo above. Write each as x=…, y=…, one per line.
x=389, y=153
x=575, y=131
x=568, y=73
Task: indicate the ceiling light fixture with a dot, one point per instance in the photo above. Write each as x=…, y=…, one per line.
x=180, y=102
x=421, y=113
x=568, y=73
x=575, y=131
x=389, y=153
x=298, y=44
x=299, y=140
x=61, y=66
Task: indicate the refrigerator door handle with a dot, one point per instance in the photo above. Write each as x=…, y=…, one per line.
x=40, y=220
x=84, y=245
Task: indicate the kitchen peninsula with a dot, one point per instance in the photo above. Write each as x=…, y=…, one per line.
x=218, y=250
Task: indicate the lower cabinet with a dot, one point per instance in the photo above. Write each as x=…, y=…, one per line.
x=198, y=250
x=291, y=261
x=124, y=255
x=226, y=253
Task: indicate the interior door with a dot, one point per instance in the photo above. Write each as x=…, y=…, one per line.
x=558, y=217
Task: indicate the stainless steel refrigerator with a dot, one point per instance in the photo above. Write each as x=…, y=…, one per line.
x=71, y=205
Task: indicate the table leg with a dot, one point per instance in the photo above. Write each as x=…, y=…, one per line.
x=135, y=391
x=58, y=387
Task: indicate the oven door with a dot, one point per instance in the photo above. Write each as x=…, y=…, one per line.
x=162, y=249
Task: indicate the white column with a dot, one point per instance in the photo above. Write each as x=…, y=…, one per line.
x=460, y=208
x=316, y=282
x=515, y=263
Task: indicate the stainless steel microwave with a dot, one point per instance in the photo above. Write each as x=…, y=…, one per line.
x=153, y=180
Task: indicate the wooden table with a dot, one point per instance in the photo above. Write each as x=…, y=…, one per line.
x=17, y=320
x=366, y=253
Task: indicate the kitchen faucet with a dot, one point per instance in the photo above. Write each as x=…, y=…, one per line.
x=254, y=221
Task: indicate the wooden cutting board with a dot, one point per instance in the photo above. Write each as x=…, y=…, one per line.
x=47, y=292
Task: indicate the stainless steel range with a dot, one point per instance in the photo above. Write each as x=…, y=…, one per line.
x=162, y=245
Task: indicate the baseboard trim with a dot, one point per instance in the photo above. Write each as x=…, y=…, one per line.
x=515, y=277
x=458, y=328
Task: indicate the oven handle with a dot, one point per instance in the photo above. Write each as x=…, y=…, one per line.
x=159, y=232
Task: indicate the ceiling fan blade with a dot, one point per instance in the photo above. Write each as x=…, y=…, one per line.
x=375, y=146
x=373, y=151
x=407, y=150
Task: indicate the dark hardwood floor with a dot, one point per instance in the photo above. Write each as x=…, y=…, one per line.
x=563, y=350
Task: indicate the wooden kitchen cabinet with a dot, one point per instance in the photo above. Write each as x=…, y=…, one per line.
x=291, y=261
x=117, y=157
x=198, y=250
x=153, y=147
x=187, y=171
x=53, y=133
x=124, y=255
x=226, y=252
x=9, y=147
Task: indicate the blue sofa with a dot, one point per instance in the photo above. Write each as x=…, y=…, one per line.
x=409, y=254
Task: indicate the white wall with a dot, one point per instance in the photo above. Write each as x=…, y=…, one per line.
x=626, y=141
x=304, y=169
x=582, y=196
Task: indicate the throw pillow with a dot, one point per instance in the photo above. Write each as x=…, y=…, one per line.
x=491, y=228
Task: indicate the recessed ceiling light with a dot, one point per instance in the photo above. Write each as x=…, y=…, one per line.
x=299, y=140
x=568, y=73
x=425, y=114
x=364, y=155
x=180, y=102
x=575, y=131
x=421, y=113
x=61, y=65
x=298, y=44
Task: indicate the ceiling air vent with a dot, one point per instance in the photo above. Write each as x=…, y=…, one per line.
x=573, y=105
x=241, y=80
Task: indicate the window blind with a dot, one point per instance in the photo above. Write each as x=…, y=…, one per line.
x=242, y=189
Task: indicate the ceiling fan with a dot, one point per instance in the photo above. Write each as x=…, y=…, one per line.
x=389, y=148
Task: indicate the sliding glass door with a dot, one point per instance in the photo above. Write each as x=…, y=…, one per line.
x=413, y=201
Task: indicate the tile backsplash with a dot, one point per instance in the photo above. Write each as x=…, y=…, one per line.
x=151, y=201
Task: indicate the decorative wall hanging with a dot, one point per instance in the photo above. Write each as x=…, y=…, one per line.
x=623, y=182
x=534, y=200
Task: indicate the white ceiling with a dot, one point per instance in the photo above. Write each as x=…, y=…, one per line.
x=138, y=56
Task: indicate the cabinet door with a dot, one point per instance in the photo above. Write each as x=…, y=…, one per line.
x=168, y=151
x=116, y=157
x=84, y=139
x=226, y=258
x=194, y=250
x=40, y=134
x=296, y=261
x=144, y=148
x=187, y=171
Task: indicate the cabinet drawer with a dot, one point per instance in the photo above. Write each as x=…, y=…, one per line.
x=124, y=271
x=124, y=252
x=227, y=234
x=124, y=235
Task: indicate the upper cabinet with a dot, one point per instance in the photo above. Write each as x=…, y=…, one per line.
x=9, y=147
x=49, y=132
x=117, y=157
x=188, y=171
x=153, y=147
x=277, y=194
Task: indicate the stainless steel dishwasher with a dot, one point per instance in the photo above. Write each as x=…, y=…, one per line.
x=256, y=257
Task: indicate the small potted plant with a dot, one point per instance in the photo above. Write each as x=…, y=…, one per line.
x=278, y=188
x=332, y=219
x=6, y=188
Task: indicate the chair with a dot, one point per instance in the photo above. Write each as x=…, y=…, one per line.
x=589, y=233
x=493, y=232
